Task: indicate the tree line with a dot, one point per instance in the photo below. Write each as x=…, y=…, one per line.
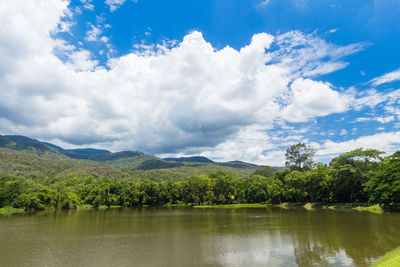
x=359, y=176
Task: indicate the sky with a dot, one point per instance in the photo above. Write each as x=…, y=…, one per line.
x=229, y=80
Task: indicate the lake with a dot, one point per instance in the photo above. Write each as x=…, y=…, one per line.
x=197, y=237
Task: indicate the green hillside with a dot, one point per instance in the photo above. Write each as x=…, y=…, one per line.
x=24, y=156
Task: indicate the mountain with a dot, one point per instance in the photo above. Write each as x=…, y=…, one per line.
x=152, y=164
x=19, y=142
x=239, y=164
x=89, y=151
x=104, y=162
x=79, y=153
x=116, y=155
x=190, y=159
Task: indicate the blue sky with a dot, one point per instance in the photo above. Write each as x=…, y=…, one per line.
x=230, y=80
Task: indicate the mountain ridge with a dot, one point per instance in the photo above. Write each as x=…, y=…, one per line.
x=128, y=160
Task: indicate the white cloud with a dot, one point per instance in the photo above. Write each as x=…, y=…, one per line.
x=385, y=119
x=81, y=61
x=386, y=78
x=93, y=34
x=104, y=39
x=296, y=48
x=115, y=4
x=372, y=98
x=182, y=97
x=310, y=99
x=87, y=4
x=264, y=3
x=378, y=119
x=386, y=141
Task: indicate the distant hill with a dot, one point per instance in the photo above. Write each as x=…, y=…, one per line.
x=89, y=151
x=19, y=142
x=104, y=162
x=240, y=164
x=190, y=159
x=116, y=155
x=152, y=164
x=79, y=153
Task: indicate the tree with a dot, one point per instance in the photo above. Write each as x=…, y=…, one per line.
x=386, y=185
x=299, y=157
x=295, y=186
x=352, y=173
x=266, y=172
x=196, y=188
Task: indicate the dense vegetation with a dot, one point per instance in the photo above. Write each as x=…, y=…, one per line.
x=359, y=176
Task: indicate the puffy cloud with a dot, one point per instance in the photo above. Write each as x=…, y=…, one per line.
x=310, y=99
x=180, y=97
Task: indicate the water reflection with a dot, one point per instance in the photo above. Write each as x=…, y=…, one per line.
x=198, y=237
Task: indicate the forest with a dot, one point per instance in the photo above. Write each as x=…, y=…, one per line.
x=358, y=176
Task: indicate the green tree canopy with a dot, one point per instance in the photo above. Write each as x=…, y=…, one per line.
x=299, y=157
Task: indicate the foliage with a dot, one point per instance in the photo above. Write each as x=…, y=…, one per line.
x=299, y=157
x=50, y=181
x=266, y=172
x=385, y=186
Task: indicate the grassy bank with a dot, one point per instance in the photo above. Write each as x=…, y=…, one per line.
x=307, y=206
x=390, y=259
x=10, y=210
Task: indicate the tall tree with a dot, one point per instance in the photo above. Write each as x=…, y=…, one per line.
x=299, y=157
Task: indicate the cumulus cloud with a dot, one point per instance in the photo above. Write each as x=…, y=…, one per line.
x=178, y=97
x=310, y=99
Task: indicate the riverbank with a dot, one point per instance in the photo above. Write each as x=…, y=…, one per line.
x=308, y=206
x=390, y=259
x=10, y=210
x=287, y=205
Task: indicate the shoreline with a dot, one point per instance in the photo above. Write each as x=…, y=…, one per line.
x=286, y=205
x=390, y=259
x=308, y=206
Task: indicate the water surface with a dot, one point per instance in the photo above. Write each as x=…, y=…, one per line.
x=198, y=237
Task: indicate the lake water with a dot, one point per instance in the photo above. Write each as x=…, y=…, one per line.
x=197, y=237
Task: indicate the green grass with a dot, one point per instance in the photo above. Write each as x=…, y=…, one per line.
x=10, y=210
x=390, y=259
